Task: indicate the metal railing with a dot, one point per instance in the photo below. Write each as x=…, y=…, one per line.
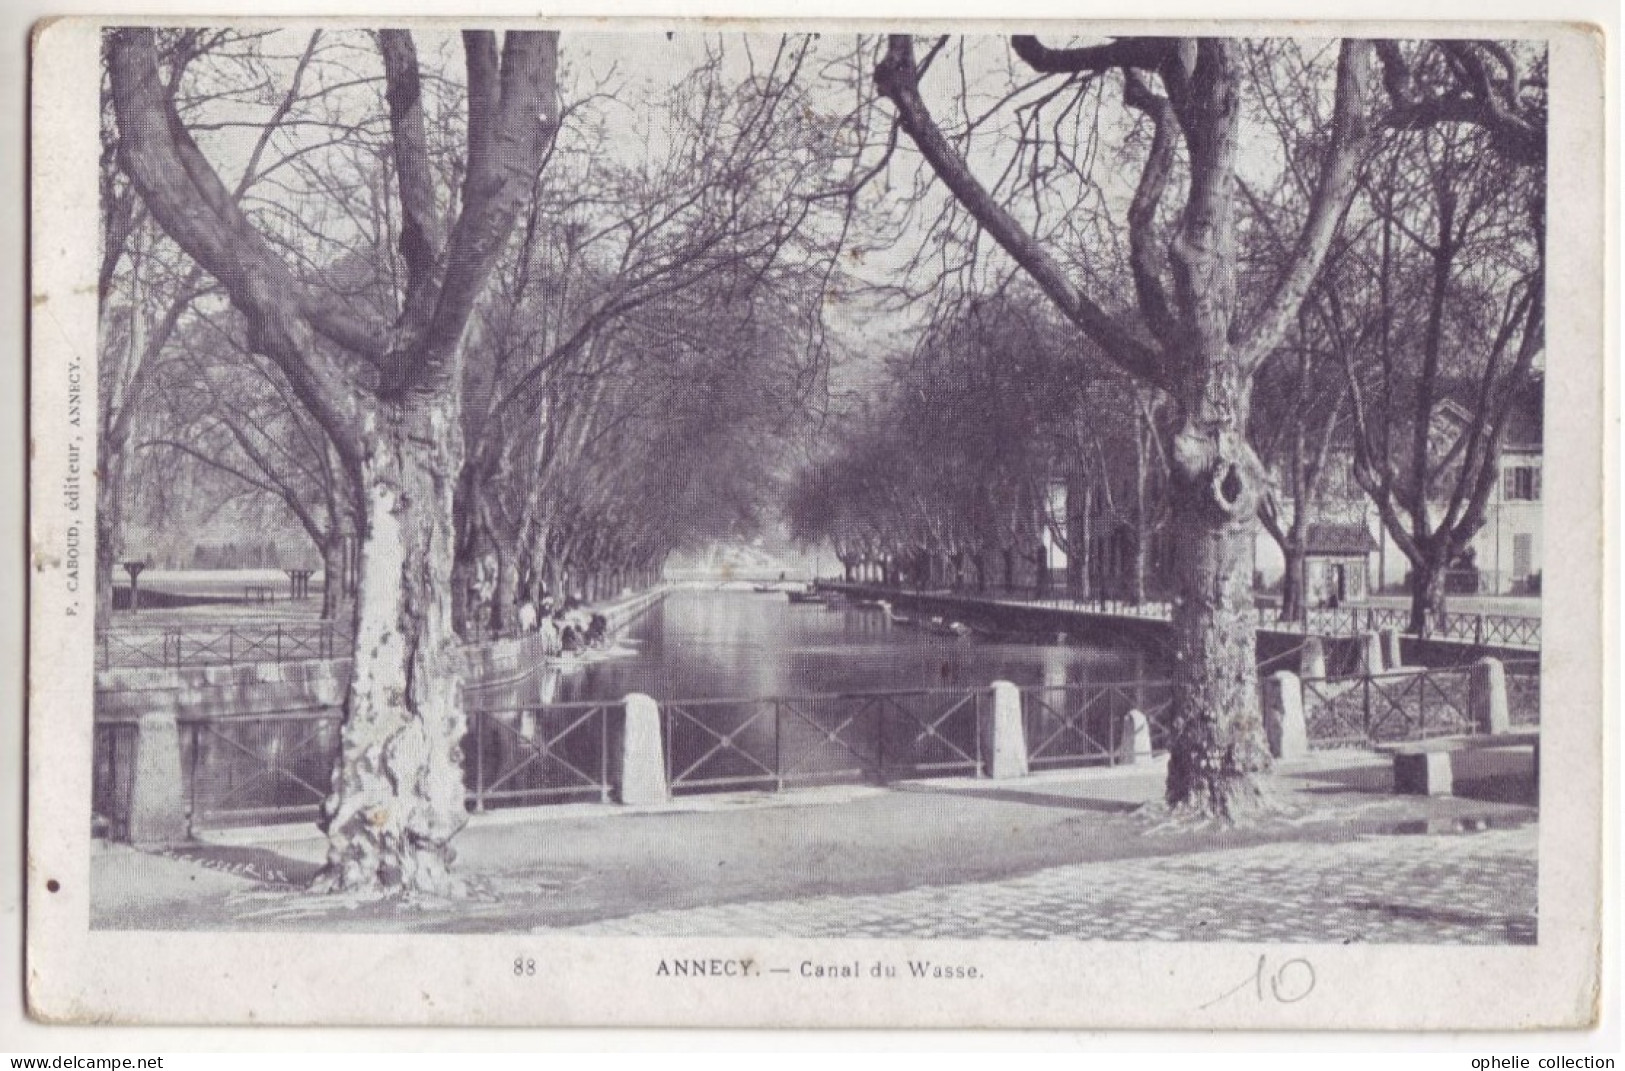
x=1403, y=705
x=174, y=648
x=776, y=742
x=1523, y=690
x=1486, y=629
x=1062, y=598
x=112, y=767
x=1479, y=629
x=279, y=765
x=264, y=766
x=523, y=755
x=1082, y=725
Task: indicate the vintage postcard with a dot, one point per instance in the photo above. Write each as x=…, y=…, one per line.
x=791, y=524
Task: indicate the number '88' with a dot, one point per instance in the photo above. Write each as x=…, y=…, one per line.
x=523, y=967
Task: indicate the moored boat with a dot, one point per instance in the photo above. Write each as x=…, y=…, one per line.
x=896, y=618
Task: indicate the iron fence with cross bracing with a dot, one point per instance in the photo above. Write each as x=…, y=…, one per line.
x=1523, y=690
x=112, y=765
x=247, y=768
x=776, y=742
x=1510, y=631
x=1402, y=705
x=272, y=766
x=1477, y=628
x=1083, y=724
x=539, y=754
x=266, y=767
x=174, y=648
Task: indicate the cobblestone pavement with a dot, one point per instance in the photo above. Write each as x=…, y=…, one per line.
x=1470, y=888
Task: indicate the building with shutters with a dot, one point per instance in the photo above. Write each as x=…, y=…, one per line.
x=1504, y=558
x=1508, y=549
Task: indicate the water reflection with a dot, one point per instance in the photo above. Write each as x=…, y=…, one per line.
x=724, y=644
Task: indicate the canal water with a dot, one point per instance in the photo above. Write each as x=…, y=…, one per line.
x=754, y=692
x=700, y=644
x=758, y=692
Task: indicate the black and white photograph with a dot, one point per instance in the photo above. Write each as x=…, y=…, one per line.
x=791, y=522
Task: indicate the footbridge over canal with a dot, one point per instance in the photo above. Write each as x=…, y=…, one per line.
x=1347, y=635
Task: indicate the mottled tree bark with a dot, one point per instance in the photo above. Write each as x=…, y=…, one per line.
x=398, y=792
x=1294, y=581
x=1191, y=340
x=1428, y=575
x=109, y=527
x=1218, y=745
x=337, y=605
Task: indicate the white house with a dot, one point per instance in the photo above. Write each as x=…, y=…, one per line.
x=1507, y=552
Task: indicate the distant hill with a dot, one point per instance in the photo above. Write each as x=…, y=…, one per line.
x=748, y=561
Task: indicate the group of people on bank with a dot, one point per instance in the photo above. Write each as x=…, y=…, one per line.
x=566, y=627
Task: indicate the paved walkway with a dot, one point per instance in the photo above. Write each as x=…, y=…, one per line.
x=1466, y=888
x=1066, y=855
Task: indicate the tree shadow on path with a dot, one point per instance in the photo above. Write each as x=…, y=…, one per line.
x=258, y=864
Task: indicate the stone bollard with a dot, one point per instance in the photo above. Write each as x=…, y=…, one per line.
x=1392, y=655
x=157, y=796
x=642, y=778
x=1284, y=723
x=1370, y=654
x=1487, y=696
x=1424, y=773
x=1006, y=742
x=1312, y=660
x=1135, y=747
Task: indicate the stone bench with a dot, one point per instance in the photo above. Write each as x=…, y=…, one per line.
x=1422, y=767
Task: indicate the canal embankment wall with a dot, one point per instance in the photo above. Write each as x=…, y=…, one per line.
x=1277, y=648
x=315, y=684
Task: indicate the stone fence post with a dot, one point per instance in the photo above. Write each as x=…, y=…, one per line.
x=1487, y=696
x=1312, y=660
x=642, y=774
x=1006, y=737
x=1370, y=654
x=1135, y=747
x=157, y=793
x=1392, y=654
x=1284, y=723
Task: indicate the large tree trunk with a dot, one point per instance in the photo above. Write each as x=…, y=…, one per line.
x=1142, y=516
x=398, y=789
x=109, y=528
x=505, y=599
x=1082, y=558
x=1205, y=352
x=336, y=602
x=1294, y=578
x=1218, y=747
x=1142, y=564
x=1427, y=593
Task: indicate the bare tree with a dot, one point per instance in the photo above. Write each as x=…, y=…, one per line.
x=229, y=410
x=732, y=222
x=1193, y=339
x=388, y=396
x=1301, y=420
x=1188, y=263
x=1442, y=312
